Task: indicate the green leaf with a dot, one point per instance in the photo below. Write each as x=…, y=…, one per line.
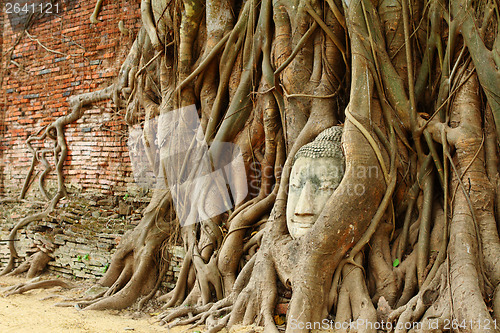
x=395, y=263
x=86, y=257
x=79, y=258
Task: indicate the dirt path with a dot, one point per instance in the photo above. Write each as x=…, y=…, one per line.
x=28, y=313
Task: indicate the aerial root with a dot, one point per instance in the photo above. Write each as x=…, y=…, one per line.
x=149, y=296
x=84, y=304
x=416, y=307
x=77, y=304
x=54, y=132
x=256, y=302
x=496, y=303
x=81, y=303
x=212, y=315
x=35, y=284
x=34, y=265
x=181, y=311
x=65, y=304
x=72, y=301
x=20, y=269
x=220, y=324
x=354, y=302
x=208, y=314
x=410, y=280
x=207, y=274
x=204, y=317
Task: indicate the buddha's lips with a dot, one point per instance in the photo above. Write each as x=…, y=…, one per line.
x=304, y=223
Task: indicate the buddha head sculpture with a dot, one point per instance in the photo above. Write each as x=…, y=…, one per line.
x=317, y=171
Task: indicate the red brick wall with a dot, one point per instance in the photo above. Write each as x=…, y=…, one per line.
x=37, y=83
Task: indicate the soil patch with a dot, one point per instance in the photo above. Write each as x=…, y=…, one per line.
x=35, y=311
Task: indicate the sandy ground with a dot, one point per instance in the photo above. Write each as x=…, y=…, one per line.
x=28, y=313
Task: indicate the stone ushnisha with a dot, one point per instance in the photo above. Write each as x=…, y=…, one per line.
x=326, y=144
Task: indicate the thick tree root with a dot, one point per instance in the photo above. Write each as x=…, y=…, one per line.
x=211, y=312
x=414, y=309
x=35, y=284
x=356, y=304
x=35, y=265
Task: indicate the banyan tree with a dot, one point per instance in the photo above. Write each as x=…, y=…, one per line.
x=339, y=157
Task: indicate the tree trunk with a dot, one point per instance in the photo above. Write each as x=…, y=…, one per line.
x=411, y=233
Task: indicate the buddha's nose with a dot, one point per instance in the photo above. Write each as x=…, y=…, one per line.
x=305, y=203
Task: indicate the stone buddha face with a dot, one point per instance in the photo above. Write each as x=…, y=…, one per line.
x=316, y=173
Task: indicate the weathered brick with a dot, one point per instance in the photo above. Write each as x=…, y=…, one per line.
x=34, y=98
